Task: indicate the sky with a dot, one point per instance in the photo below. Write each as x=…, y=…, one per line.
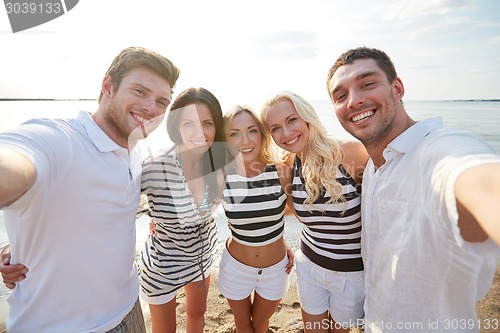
x=247, y=50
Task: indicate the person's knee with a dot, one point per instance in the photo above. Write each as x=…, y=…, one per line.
x=260, y=325
x=196, y=310
x=243, y=324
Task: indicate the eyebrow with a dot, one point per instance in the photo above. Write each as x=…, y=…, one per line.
x=150, y=91
x=237, y=130
x=359, y=77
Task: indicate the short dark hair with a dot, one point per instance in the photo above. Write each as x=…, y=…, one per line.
x=135, y=57
x=348, y=57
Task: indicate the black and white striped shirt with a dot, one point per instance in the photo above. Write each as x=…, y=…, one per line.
x=330, y=238
x=182, y=250
x=255, y=207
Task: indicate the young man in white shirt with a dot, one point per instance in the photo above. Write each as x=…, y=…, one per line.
x=430, y=204
x=69, y=191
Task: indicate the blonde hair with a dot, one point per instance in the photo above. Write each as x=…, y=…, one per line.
x=265, y=154
x=321, y=155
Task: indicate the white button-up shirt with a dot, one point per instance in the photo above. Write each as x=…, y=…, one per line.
x=421, y=276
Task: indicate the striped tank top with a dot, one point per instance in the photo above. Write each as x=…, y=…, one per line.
x=182, y=250
x=329, y=238
x=255, y=207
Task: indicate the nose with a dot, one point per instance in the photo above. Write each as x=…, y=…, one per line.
x=149, y=105
x=355, y=99
x=286, y=130
x=198, y=129
x=244, y=138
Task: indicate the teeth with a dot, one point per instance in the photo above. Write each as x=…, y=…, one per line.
x=142, y=120
x=199, y=143
x=362, y=116
x=246, y=150
x=291, y=142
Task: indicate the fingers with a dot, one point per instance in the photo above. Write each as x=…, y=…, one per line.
x=6, y=258
x=152, y=228
x=12, y=274
x=291, y=258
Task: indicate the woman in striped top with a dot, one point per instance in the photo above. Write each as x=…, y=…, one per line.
x=254, y=259
x=183, y=187
x=326, y=198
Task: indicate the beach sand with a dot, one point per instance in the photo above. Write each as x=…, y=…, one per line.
x=219, y=319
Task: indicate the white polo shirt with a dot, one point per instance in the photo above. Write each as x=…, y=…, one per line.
x=421, y=276
x=74, y=229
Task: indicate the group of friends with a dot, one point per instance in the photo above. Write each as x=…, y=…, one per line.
x=399, y=227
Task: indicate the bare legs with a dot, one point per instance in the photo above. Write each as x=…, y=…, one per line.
x=253, y=317
x=163, y=316
x=321, y=323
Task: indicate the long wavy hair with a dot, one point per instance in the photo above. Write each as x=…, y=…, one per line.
x=321, y=155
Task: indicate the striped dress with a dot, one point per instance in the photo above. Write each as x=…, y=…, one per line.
x=182, y=250
x=255, y=207
x=329, y=238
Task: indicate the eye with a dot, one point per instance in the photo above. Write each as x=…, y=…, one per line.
x=139, y=91
x=187, y=124
x=367, y=84
x=208, y=124
x=253, y=131
x=274, y=129
x=162, y=104
x=234, y=134
x=339, y=98
x=291, y=120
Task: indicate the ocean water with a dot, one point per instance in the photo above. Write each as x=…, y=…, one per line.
x=479, y=117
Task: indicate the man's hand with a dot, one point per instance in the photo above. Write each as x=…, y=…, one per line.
x=11, y=273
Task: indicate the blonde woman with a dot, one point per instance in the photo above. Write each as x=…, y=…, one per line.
x=254, y=261
x=326, y=179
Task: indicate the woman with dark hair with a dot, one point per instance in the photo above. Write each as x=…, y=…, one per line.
x=183, y=187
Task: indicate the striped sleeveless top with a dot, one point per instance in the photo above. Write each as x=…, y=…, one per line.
x=330, y=239
x=182, y=250
x=255, y=207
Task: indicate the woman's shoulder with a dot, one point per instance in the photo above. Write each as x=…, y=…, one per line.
x=284, y=173
x=355, y=158
x=163, y=156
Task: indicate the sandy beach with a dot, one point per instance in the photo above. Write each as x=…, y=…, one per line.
x=287, y=319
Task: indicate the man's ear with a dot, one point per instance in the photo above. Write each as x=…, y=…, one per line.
x=399, y=88
x=107, y=86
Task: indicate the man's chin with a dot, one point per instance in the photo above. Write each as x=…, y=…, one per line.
x=142, y=131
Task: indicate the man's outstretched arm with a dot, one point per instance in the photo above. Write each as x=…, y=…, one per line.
x=477, y=193
x=17, y=175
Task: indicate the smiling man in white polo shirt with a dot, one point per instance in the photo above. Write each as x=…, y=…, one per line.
x=69, y=191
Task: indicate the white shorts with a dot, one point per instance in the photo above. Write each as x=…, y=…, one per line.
x=163, y=299
x=237, y=280
x=320, y=289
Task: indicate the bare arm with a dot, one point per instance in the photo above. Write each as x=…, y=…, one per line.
x=285, y=176
x=355, y=159
x=17, y=175
x=477, y=192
